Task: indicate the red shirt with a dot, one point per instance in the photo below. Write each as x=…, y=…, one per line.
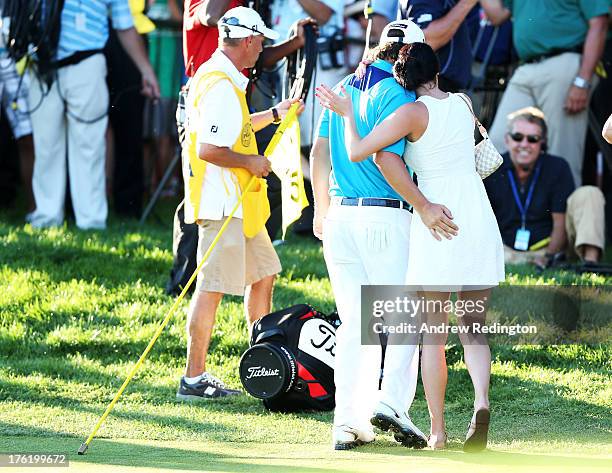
x=199, y=41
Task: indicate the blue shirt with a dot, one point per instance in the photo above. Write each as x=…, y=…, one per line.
x=85, y=24
x=374, y=99
x=456, y=56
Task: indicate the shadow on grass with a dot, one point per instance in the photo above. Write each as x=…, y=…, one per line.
x=69, y=261
x=521, y=409
x=495, y=458
x=250, y=457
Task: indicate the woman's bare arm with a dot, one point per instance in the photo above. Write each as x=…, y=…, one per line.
x=395, y=127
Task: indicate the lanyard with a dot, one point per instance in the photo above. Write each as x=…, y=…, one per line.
x=523, y=208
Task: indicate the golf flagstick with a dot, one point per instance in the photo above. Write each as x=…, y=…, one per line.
x=273, y=142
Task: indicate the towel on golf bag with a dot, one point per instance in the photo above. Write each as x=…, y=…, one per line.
x=290, y=364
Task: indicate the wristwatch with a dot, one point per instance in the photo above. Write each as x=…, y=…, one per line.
x=277, y=119
x=581, y=83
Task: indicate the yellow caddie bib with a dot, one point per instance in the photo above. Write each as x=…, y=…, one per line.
x=255, y=204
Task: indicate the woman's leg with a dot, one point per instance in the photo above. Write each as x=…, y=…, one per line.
x=476, y=350
x=433, y=363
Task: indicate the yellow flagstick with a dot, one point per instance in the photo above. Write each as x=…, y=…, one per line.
x=273, y=142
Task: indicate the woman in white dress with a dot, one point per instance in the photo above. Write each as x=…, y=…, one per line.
x=439, y=128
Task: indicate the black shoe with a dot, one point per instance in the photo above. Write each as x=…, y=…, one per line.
x=208, y=387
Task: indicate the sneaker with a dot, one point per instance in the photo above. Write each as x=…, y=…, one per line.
x=405, y=432
x=208, y=387
x=346, y=438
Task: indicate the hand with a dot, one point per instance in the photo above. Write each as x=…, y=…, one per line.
x=317, y=223
x=577, y=100
x=439, y=221
x=258, y=165
x=362, y=67
x=299, y=36
x=150, y=87
x=283, y=107
x=340, y=104
x=607, y=130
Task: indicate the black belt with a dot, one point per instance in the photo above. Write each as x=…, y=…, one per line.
x=375, y=202
x=553, y=53
x=76, y=58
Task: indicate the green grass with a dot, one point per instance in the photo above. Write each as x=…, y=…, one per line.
x=78, y=308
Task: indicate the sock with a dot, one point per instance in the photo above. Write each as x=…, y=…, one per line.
x=193, y=380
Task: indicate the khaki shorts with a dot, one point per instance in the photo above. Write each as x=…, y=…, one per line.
x=236, y=261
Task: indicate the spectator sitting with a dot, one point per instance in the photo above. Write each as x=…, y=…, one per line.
x=446, y=31
x=559, y=43
x=537, y=207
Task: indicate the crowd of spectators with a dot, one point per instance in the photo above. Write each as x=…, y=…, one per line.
x=78, y=140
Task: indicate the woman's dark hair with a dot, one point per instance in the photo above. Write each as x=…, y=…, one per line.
x=417, y=64
x=385, y=51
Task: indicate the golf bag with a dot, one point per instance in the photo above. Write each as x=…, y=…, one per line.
x=290, y=364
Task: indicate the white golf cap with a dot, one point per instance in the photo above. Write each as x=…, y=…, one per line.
x=402, y=31
x=240, y=22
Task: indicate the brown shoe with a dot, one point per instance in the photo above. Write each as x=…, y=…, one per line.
x=476, y=438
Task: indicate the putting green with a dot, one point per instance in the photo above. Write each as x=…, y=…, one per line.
x=129, y=455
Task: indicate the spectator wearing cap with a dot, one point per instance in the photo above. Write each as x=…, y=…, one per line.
x=365, y=224
x=200, y=41
x=539, y=211
x=446, y=31
x=220, y=157
x=559, y=43
x=71, y=114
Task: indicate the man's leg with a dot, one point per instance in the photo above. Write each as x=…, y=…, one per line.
x=585, y=222
x=262, y=266
x=221, y=274
x=258, y=299
x=512, y=256
x=26, y=167
x=84, y=89
x=566, y=132
x=517, y=95
x=385, y=255
x=357, y=367
x=49, y=172
x=200, y=323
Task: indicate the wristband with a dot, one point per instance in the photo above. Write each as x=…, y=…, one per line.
x=277, y=119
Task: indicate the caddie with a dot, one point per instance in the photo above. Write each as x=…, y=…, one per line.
x=220, y=157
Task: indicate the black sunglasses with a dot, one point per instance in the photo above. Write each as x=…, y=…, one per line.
x=233, y=21
x=518, y=137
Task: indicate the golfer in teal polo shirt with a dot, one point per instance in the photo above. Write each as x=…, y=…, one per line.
x=365, y=224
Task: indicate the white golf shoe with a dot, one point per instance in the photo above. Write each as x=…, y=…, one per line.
x=346, y=438
x=405, y=432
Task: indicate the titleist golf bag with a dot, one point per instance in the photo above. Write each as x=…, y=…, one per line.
x=290, y=364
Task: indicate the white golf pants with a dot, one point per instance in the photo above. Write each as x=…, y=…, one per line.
x=367, y=246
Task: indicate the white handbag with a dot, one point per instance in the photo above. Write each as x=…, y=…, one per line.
x=487, y=157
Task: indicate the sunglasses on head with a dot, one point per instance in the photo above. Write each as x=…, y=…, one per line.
x=518, y=137
x=233, y=21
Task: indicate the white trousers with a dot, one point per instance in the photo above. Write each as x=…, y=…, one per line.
x=60, y=136
x=367, y=245
x=545, y=85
